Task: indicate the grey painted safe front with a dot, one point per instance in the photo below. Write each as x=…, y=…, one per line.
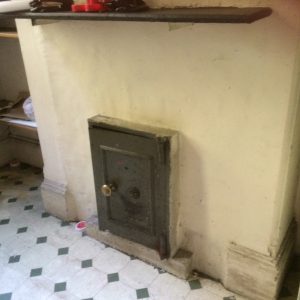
x=131, y=171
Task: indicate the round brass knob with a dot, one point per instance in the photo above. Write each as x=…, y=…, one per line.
x=107, y=189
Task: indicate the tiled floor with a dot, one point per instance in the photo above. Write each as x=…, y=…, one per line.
x=42, y=257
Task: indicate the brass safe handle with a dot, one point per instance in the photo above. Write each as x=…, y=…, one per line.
x=107, y=189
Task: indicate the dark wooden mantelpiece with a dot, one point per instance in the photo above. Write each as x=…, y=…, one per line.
x=176, y=15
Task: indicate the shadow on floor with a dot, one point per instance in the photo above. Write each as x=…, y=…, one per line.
x=291, y=283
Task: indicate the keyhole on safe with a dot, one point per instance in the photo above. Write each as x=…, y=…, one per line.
x=131, y=202
x=134, y=193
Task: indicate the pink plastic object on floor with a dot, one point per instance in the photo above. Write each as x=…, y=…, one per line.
x=81, y=225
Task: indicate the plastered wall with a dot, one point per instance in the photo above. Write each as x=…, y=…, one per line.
x=12, y=73
x=290, y=12
x=227, y=90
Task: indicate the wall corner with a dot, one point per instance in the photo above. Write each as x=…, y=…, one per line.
x=57, y=200
x=255, y=275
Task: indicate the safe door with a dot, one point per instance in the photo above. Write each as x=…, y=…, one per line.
x=131, y=173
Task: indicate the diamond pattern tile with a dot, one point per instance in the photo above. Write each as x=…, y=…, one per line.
x=4, y=221
x=63, y=237
x=11, y=278
x=131, y=274
x=14, y=259
x=215, y=287
x=63, y=251
x=41, y=240
x=118, y=290
x=22, y=230
x=87, y=263
x=36, y=272
x=45, y=253
x=65, y=223
x=28, y=207
x=12, y=200
x=18, y=243
x=6, y=296
x=110, y=260
x=62, y=268
x=42, y=257
x=180, y=288
x=7, y=232
x=200, y=294
x=195, y=284
x=64, y=295
x=60, y=286
x=113, y=277
x=35, y=288
x=86, y=248
x=142, y=293
x=89, y=277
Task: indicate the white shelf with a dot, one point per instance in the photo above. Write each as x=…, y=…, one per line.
x=19, y=122
x=8, y=34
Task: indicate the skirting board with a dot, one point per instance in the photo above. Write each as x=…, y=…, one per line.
x=255, y=275
x=56, y=200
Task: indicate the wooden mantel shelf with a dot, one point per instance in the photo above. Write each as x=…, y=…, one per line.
x=176, y=15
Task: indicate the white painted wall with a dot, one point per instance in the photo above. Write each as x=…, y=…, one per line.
x=45, y=114
x=289, y=174
x=227, y=90
x=289, y=11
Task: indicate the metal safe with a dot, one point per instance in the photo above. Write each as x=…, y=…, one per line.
x=131, y=166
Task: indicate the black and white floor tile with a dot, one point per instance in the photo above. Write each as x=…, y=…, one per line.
x=42, y=257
